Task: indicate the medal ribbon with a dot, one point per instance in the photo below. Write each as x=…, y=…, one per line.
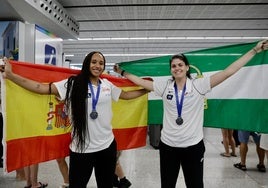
x=179, y=102
x=94, y=98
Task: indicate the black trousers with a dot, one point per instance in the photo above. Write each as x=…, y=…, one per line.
x=191, y=159
x=82, y=164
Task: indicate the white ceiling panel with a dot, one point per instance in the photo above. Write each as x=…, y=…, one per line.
x=125, y=29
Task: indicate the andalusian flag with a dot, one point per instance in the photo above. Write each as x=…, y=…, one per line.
x=241, y=102
x=37, y=130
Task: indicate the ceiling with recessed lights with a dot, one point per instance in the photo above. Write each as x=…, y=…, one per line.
x=125, y=30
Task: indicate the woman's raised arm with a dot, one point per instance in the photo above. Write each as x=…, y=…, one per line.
x=147, y=84
x=26, y=83
x=219, y=77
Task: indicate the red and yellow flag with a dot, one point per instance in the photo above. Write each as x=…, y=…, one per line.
x=36, y=129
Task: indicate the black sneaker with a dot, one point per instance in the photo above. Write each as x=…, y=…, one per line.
x=124, y=183
x=115, y=181
x=1, y=163
x=261, y=168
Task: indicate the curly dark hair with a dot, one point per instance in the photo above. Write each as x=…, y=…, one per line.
x=76, y=98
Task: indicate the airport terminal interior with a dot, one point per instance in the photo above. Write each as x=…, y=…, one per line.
x=132, y=30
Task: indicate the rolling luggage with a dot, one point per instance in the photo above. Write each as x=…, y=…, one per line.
x=154, y=135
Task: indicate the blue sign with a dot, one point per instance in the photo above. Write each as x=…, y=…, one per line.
x=50, y=55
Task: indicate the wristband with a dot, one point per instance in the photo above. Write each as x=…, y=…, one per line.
x=122, y=73
x=255, y=50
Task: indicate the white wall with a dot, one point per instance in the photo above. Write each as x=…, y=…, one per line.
x=26, y=42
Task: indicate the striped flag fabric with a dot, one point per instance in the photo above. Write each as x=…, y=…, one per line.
x=240, y=102
x=36, y=129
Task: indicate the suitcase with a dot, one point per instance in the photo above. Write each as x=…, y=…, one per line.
x=154, y=135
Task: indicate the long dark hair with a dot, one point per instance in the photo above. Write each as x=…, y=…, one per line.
x=184, y=59
x=76, y=98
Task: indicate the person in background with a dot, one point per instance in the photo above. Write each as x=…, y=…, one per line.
x=235, y=136
x=264, y=144
x=120, y=179
x=20, y=174
x=31, y=175
x=1, y=125
x=181, y=142
x=243, y=139
x=1, y=134
x=88, y=100
x=64, y=170
x=228, y=140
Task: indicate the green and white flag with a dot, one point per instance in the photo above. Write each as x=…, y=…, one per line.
x=240, y=102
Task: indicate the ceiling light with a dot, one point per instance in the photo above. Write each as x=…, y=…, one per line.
x=173, y=38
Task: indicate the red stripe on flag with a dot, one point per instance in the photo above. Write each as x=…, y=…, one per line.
x=42, y=73
x=22, y=152
x=130, y=138
x=48, y=73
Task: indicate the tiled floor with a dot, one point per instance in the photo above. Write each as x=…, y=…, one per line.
x=141, y=167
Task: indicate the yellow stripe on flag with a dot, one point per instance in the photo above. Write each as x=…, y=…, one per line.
x=27, y=114
x=130, y=113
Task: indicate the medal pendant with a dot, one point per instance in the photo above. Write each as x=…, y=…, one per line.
x=94, y=115
x=179, y=121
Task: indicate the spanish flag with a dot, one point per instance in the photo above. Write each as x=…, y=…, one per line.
x=36, y=129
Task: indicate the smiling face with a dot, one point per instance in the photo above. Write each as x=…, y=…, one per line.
x=96, y=66
x=178, y=68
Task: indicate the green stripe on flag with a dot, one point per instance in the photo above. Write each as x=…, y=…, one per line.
x=241, y=114
x=148, y=67
x=207, y=60
x=219, y=58
x=155, y=112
